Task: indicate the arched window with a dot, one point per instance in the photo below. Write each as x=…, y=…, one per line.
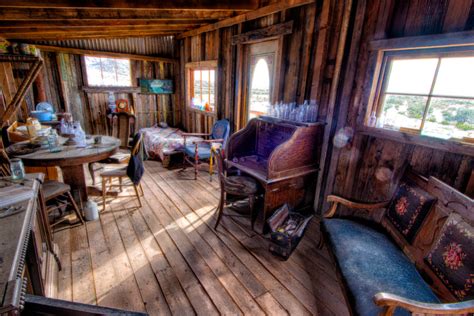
x=260, y=89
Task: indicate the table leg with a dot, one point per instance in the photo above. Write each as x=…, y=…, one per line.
x=75, y=177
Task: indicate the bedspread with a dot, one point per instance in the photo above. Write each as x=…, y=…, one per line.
x=160, y=142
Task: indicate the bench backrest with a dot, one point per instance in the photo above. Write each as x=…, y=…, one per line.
x=448, y=201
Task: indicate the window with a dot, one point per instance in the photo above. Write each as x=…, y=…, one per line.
x=259, y=97
x=108, y=72
x=429, y=93
x=202, y=86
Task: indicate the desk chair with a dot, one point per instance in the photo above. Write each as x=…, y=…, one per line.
x=234, y=188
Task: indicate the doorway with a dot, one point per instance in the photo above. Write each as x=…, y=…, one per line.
x=260, y=73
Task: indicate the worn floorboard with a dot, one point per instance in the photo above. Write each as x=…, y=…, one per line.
x=166, y=258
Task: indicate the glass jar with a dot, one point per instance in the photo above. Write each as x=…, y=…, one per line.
x=17, y=169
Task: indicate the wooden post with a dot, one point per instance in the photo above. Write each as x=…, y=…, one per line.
x=38, y=89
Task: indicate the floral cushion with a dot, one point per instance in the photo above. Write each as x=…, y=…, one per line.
x=451, y=257
x=408, y=208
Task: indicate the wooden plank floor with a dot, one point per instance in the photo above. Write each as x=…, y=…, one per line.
x=166, y=258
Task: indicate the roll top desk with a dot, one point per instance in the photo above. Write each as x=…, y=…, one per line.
x=283, y=156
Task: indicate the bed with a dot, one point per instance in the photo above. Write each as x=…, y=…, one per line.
x=161, y=143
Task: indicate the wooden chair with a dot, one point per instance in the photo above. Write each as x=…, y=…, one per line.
x=234, y=188
x=57, y=195
x=201, y=150
x=120, y=173
x=123, y=125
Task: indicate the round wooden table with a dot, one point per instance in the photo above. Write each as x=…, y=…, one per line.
x=71, y=160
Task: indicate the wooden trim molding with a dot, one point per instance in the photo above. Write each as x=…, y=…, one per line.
x=252, y=15
x=427, y=141
x=272, y=31
x=111, y=89
x=202, y=64
x=425, y=41
x=97, y=53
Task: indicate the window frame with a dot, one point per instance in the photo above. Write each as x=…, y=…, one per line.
x=379, y=84
x=86, y=79
x=201, y=66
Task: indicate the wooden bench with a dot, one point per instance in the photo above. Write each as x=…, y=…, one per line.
x=391, y=269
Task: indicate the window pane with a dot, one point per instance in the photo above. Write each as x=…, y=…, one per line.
x=259, y=89
x=123, y=72
x=455, y=77
x=108, y=71
x=197, y=88
x=412, y=75
x=450, y=118
x=403, y=111
x=213, y=96
x=93, y=69
x=205, y=86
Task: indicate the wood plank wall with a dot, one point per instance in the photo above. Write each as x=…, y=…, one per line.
x=306, y=71
x=366, y=168
x=63, y=76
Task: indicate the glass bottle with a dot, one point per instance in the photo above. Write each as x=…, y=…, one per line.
x=17, y=169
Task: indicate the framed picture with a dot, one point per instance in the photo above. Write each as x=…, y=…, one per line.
x=158, y=86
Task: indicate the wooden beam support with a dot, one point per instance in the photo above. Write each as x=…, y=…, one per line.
x=50, y=14
x=78, y=51
x=11, y=31
x=22, y=37
x=137, y=4
x=20, y=93
x=267, y=32
x=273, y=8
x=27, y=24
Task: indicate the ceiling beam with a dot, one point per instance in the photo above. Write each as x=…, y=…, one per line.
x=111, y=14
x=95, y=23
x=97, y=53
x=137, y=4
x=252, y=15
x=81, y=29
x=69, y=36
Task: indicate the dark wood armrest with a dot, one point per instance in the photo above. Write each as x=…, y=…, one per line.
x=351, y=204
x=391, y=301
x=209, y=141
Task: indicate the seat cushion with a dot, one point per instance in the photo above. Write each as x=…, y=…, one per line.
x=204, y=151
x=240, y=185
x=371, y=263
x=408, y=208
x=451, y=257
x=121, y=156
x=116, y=172
x=54, y=188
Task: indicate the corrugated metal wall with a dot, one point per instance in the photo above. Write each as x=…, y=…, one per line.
x=162, y=46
